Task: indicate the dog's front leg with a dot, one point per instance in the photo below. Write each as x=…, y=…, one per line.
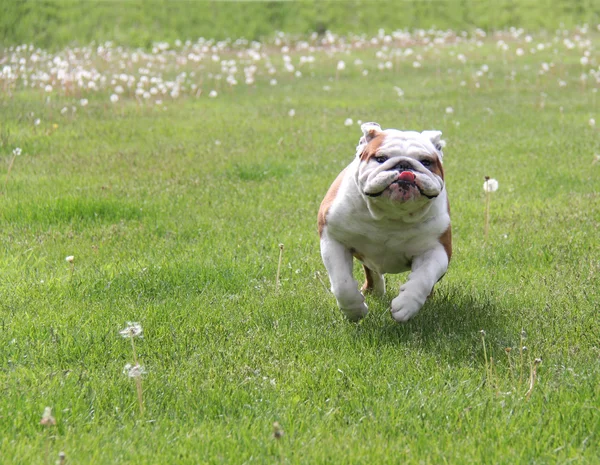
x=338, y=262
x=427, y=270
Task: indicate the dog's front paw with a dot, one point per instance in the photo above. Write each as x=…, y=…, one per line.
x=355, y=313
x=405, y=306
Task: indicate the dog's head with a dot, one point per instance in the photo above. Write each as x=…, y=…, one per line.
x=399, y=171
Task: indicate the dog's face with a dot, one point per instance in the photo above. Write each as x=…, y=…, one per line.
x=399, y=171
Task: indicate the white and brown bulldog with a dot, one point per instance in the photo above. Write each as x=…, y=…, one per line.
x=389, y=209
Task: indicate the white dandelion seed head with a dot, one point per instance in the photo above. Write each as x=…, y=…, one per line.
x=490, y=185
x=134, y=371
x=399, y=91
x=70, y=259
x=341, y=66
x=592, y=122
x=17, y=151
x=114, y=98
x=449, y=110
x=133, y=329
x=212, y=94
x=292, y=113
x=348, y=122
x=47, y=418
x=83, y=102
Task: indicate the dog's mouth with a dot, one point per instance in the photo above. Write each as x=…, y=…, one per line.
x=404, y=185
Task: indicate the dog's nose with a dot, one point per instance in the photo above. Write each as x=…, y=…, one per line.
x=403, y=166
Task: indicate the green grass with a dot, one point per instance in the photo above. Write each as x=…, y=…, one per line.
x=172, y=230
x=56, y=23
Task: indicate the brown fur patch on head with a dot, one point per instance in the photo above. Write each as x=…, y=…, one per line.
x=437, y=168
x=371, y=149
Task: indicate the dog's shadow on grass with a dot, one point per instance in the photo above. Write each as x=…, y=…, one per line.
x=449, y=323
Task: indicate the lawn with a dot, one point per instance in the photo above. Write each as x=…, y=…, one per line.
x=172, y=201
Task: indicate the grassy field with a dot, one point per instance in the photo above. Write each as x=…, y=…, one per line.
x=173, y=200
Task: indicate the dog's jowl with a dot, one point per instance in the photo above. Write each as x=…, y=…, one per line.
x=388, y=209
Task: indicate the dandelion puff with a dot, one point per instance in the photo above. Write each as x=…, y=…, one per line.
x=292, y=113
x=114, y=98
x=277, y=430
x=133, y=329
x=348, y=122
x=134, y=371
x=592, y=122
x=17, y=151
x=449, y=110
x=490, y=185
x=47, y=418
x=70, y=259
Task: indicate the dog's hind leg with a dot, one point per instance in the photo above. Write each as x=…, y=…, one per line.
x=374, y=283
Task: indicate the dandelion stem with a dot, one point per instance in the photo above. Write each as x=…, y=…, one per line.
x=138, y=379
x=511, y=373
x=279, y=266
x=493, y=384
x=138, y=387
x=318, y=276
x=532, y=377
x=135, y=359
x=521, y=360
x=10, y=165
x=487, y=215
x=487, y=369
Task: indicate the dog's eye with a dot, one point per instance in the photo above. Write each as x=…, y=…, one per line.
x=426, y=163
x=381, y=159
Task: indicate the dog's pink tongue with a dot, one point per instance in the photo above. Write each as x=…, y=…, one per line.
x=408, y=176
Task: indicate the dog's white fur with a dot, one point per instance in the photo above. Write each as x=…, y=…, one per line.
x=390, y=226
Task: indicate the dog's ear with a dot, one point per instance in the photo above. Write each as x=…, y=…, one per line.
x=370, y=131
x=435, y=138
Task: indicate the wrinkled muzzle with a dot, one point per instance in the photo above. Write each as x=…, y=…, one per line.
x=399, y=179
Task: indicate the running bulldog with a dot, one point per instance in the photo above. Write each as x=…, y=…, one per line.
x=389, y=210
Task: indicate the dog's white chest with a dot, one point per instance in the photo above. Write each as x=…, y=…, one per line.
x=383, y=246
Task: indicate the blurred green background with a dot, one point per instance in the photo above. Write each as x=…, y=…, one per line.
x=56, y=23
